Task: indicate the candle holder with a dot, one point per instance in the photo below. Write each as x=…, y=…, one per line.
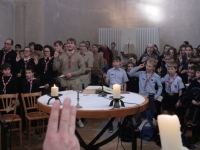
x=78, y=106
x=116, y=102
x=55, y=97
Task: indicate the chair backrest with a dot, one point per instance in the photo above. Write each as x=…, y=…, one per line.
x=30, y=101
x=6, y=102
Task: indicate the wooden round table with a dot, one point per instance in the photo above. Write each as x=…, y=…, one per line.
x=94, y=106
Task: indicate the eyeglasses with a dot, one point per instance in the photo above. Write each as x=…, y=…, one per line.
x=81, y=46
x=26, y=50
x=7, y=43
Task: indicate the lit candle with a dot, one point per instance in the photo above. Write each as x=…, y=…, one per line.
x=170, y=135
x=54, y=91
x=116, y=91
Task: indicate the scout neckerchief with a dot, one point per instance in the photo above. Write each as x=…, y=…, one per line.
x=26, y=61
x=4, y=57
x=147, y=80
x=69, y=59
x=31, y=83
x=46, y=61
x=5, y=84
x=170, y=83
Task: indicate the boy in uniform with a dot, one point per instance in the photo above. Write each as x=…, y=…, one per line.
x=147, y=82
x=173, y=88
x=116, y=75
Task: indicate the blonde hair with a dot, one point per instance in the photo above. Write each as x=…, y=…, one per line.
x=152, y=61
x=172, y=64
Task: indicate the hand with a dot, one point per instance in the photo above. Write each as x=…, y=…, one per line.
x=155, y=98
x=19, y=75
x=145, y=58
x=61, y=137
x=141, y=66
x=180, y=68
x=184, y=71
x=180, y=59
x=104, y=75
x=46, y=86
x=17, y=58
x=194, y=102
x=35, y=60
x=159, y=70
x=56, y=54
x=69, y=75
x=178, y=104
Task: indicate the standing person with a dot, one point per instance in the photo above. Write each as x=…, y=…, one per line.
x=38, y=52
x=22, y=64
x=116, y=75
x=133, y=82
x=72, y=65
x=58, y=46
x=98, y=65
x=107, y=54
x=18, y=47
x=31, y=45
x=7, y=55
x=148, y=52
x=113, y=49
x=147, y=83
x=173, y=88
x=44, y=69
x=88, y=61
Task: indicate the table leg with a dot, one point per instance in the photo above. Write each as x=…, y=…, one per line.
x=92, y=146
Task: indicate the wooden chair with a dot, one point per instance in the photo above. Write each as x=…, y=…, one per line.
x=12, y=117
x=32, y=114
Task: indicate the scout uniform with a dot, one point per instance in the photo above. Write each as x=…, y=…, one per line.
x=147, y=83
x=172, y=86
x=116, y=76
x=85, y=79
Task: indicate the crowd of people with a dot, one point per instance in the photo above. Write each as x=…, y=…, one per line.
x=170, y=79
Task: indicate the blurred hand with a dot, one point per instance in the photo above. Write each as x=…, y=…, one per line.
x=56, y=54
x=69, y=75
x=60, y=132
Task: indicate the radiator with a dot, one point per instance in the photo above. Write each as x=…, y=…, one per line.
x=109, y=35
x=146, y=36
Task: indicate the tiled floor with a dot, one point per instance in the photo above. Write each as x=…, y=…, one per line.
x=88, y=132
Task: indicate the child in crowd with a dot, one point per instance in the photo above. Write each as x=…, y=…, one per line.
x=133, y=59
x=147, y=82
x=116, y=75
x=191, y=74
x=30, y=84
x=8, y=81
x=133, y=82
x=173, y=88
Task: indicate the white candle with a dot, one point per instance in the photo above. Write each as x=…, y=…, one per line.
x=116, y=91
x=54, y=91
x=170, y=135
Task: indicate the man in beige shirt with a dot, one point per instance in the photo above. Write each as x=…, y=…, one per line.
x=98, y=64
x=72, y=66
x=88, y=61
x=113, y=49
